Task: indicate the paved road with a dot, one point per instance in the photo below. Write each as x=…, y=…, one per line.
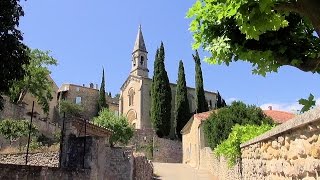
x=174, y=171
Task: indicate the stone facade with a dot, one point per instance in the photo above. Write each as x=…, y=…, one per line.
x=87, y=97
x=166, y=150
x=289, y=151
x=50, y=159
x=193, y=139
x=135, y=94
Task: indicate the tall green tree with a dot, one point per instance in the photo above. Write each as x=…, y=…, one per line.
x=220, y=101
x=102, y=103
x=201, y=103
x=182, y=111
x=13, y=53
x=161, y=96
x=36, y=81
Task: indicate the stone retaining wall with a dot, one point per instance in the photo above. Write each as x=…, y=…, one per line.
x=166, y=150
x=143, y=168
x=289, y=151
x=50, y=159
x=218, y=166
x=22, y=172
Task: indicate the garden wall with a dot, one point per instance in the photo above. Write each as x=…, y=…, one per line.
x=166, y=150
x=289, y=151
x=50, y=159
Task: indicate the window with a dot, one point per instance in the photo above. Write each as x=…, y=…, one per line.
x=210, y=103
x=78, y=100
x=141, y=60
x=78, y=89
x=131, y=97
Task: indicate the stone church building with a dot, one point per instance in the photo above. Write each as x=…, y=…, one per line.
x=135, y=93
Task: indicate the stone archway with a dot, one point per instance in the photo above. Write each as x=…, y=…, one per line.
x=132, y=117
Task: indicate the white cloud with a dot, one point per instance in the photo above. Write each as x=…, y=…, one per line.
x=293, y=107
x=230, y=100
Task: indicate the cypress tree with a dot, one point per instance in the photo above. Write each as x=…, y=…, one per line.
x=201, y=103
x=102, y=94
x=160, y=96
x=220, y=102
x=182, y=113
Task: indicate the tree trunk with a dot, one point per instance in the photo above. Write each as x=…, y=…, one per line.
x=311, y=10
x=307, y=8
x=22, y=95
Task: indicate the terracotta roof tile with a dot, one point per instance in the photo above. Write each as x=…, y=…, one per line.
x=279, y=116
x=203, y=116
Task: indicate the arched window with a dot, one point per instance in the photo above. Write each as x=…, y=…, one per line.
x=141, y=60
x=131, y=97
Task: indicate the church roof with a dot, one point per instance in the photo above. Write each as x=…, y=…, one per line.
x=139, y=44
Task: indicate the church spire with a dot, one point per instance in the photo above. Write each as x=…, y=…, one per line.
x=139, y=44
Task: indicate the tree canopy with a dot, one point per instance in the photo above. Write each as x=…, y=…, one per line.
x=36, y=80
x=218, y=126
x=267, y=33
x=13, y=53
x=122, y=130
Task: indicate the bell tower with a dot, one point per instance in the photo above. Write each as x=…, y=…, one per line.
x=139, y=57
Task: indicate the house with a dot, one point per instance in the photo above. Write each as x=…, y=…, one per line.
x=87, y=97
x=193, y=138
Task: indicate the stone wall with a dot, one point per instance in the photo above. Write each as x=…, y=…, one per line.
x=143, y=168
x=11, y=110
x=50, y=159
x=142, y=141
x=119, y=165
x=166, y=150
x=289, y=151
x=22, y=172
x=218, y=166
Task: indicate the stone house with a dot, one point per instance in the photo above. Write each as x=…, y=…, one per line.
x=135, y=93
x=193, y=138
x=87, y=97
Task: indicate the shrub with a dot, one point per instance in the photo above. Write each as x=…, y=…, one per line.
x=218, y=126
x=71, y=109
x=122, y=131
x=230, y=148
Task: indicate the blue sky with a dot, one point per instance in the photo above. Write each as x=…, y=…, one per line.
x=85, y=36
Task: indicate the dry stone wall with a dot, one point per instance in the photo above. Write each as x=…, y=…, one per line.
x=218, y=166
x=22, y=172
x=50, y=159
x=289, y=151
x=143, y=168
x=166, y=150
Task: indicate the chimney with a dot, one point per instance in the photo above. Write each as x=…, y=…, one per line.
x=91, y=85
x=97, y=87
x=270, y=107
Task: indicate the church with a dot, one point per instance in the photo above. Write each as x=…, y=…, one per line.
x=135, y=93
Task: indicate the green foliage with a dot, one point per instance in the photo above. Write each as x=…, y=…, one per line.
x=220, y=102
x=70, y=108
x=36, y=80
x=13, y=53
x=161, y=96
x=13, y=129
x=201, y=103
x=230, y=148
x=218, y=126
x=122, y=131
x=307, y=103
x=182, y=110
x=102, y=103
x=266, y=33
